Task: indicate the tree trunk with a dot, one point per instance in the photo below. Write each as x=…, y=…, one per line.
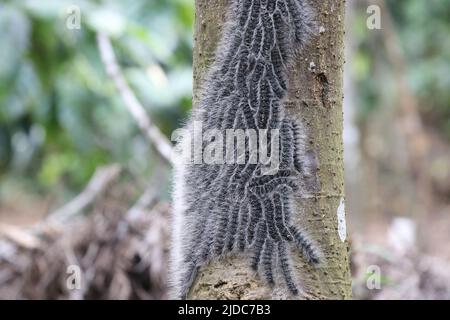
x=315, y=97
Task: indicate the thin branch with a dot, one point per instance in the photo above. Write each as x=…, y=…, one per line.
x=416, y=137
x=151, y=131
x=102, y=178
x=29, y=237
x=19, y=237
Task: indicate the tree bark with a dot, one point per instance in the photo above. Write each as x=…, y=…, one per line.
x=315, y=97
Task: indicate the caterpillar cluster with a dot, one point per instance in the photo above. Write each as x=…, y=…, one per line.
x=230, y=208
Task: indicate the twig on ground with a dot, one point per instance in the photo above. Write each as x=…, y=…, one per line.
x=101, y=179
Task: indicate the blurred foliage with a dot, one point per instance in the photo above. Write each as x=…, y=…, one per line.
x=60, y=115
x=423, y=28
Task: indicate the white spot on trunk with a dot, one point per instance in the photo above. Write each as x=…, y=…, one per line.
x=342, y=224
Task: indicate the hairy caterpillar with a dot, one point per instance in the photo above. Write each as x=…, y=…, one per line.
x=222, y=209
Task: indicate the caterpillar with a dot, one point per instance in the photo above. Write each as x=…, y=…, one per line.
x=226, y=208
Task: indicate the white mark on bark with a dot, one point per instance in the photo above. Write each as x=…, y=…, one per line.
x=342, y=224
